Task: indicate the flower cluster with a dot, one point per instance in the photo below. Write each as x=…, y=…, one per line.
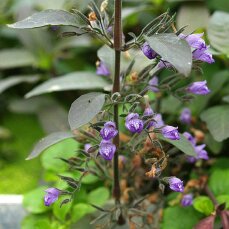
x=199, y=149
x=107, y=148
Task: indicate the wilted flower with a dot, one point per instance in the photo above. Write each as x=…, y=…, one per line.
x=107, y=149
x=108, y=131
x=51, y=196
x=185, y=116
x=190, y=138
x=203, y=54
x=133, y=123
x=198, y=88
x=153, y=84
x=170, y=132
x=194, y=40
x=102, y=69
x=176, y=184
x=187, y=200
x=148, y=51
x=87, y=147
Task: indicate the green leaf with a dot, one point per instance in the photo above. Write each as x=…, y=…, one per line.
x=217, y=121
x=172, y=49
x=47, y=17
x=203, y=204
x=183, y=144
x=80, y=210
x=36, y=222
x=71, y=81
x=65, y=149
x=14, y=58
x=180, y=218
x=33, y=201
x=219, y=182
x=61, y=212
x=90, y=179
x=218, y=31
x=48, y=141
x=99, y=196
x=14, y=80
x=85, y=108
x=223, y=199
x=212, y=144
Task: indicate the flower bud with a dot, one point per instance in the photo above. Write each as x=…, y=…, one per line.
x=148, y=51
x=198, y=88
x=108, y=131
x=107, y=150
x=170, y=132
x=176, y=184
x=187, y=200
x=133, y=123
x=51, y=196
x=185, y=116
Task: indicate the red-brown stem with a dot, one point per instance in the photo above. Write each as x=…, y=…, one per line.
x=116, y=88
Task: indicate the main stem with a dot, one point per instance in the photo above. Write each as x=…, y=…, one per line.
x=116, y=88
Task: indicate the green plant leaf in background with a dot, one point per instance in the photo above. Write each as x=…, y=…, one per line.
x=180, y=218
x=33, y=201
x=71, y=81
x=218, y=32
x=99, y=196
x=223, y=199
x=193, y=14
x=80, y=210
x=48, y=141
x=213, y=145
x=172, y=49
x=64, y=149
x=203, y=204
x=183, y=144
x=85, y=108
x=48, y=17
x=61, y=212
x=219, y=182
x=14, y=80
x=14, y=58
x=36, y=222
x=217, y=121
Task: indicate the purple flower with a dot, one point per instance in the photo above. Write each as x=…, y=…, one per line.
x=190, y=138
x=133, y=123
x=185, y=116
x=148, y=112
x=201, y=153
x=51, y=196
x=102, y=69
x=170, y=132
x=148, y=51
x=164, y=64
x=108, y=131
x=191, y=159
x=87, y=147
x=194, y=40
x=158, y=121
x=176, y=184
x=203, y=55
x=198, y=88
x=187, y=200
x=153, y=84
x=107, y=149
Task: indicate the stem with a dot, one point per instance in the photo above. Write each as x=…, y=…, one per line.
x=116, y=88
